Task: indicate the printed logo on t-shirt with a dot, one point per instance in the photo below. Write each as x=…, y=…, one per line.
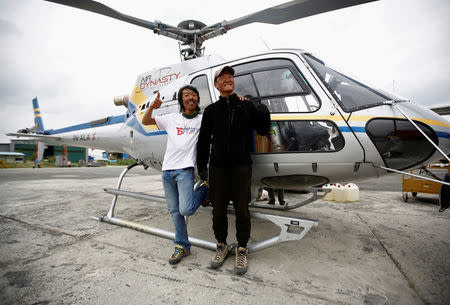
x=186, y=130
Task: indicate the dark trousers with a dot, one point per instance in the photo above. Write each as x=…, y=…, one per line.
x=280, y=192
x=231, y=183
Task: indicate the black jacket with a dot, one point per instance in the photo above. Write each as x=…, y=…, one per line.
x=227, y=132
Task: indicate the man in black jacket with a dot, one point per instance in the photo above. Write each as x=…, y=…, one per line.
x=226, y=140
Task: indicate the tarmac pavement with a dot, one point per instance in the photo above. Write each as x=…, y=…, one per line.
x=379, y=250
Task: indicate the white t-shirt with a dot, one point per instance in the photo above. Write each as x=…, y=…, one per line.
x=182, y=137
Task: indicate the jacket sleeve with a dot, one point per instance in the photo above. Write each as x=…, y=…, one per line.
x=261, y=119
x=204, y=144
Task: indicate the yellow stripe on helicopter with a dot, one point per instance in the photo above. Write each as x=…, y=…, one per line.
x=365, y=118
x=356, y=118
x=138, y=98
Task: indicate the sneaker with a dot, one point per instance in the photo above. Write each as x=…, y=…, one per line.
x=178, y=254
x=240, y=264
x=222, y=252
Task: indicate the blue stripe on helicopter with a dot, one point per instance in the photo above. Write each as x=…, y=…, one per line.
x=355, y=129
x=440, y=134
x=134, y=123
x=155, y=133
x=110, y=121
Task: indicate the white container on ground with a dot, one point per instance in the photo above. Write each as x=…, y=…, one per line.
x=352, y=191
x=339, y=193
x=329, y=195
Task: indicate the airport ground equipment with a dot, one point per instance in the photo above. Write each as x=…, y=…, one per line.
x=291, y=227
x=417, y=185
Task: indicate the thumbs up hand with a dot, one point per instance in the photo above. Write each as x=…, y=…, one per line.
x=157, y=102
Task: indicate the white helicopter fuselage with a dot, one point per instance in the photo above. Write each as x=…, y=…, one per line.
x=323, y=129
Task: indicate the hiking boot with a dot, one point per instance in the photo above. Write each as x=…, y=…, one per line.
x=178, y=254
x=222, y=252
x=240, y=264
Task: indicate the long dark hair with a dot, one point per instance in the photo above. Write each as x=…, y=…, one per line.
x=180, y=96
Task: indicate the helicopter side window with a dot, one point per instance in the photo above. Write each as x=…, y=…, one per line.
x=301, y=136
x=201, y=83
x=282, y=92
x=399, y=143
x=277, y=83
x=245, y=86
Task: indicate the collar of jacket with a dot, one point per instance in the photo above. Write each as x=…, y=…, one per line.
x=231, y=98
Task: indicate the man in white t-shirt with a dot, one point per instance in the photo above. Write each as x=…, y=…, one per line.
x=179, y=161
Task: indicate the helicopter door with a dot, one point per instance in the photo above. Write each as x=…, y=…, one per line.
x=306, y=146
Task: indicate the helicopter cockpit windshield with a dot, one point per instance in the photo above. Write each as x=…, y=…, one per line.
x=349, y=93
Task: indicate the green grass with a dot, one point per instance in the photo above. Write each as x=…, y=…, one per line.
x=51, y=163
x=124, y=162
x=29, y=164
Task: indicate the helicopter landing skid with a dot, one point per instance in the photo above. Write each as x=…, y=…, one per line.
x=316, y=193
x=291, y=228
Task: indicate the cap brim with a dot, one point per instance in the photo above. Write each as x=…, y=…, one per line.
x=220, y=72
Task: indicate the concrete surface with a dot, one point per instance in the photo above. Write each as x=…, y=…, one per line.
x=379, y=250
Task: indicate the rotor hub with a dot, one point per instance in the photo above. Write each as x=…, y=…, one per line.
x=191, y=25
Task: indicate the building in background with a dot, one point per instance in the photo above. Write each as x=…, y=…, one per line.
x=28, y=148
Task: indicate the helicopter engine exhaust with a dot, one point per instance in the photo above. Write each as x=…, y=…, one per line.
x=121, y=100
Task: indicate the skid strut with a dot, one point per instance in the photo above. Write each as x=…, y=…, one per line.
x=291, y=228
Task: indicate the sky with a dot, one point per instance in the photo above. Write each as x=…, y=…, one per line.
x=75, y=61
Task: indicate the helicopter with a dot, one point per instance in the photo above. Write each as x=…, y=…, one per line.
x=325, y=126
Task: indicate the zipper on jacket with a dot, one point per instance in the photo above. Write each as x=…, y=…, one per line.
x=228, y=125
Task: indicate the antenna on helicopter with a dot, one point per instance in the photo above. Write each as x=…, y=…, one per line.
x=267, y=46
x=192, y=33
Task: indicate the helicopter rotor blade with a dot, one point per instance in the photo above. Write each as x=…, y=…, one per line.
x=99, y=8
x=293, y=10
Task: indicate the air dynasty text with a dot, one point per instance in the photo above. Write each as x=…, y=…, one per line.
x=147, y=82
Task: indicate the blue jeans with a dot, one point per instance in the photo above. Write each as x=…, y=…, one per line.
x=181, y=201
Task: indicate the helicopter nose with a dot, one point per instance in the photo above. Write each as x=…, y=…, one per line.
x=403, y=146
